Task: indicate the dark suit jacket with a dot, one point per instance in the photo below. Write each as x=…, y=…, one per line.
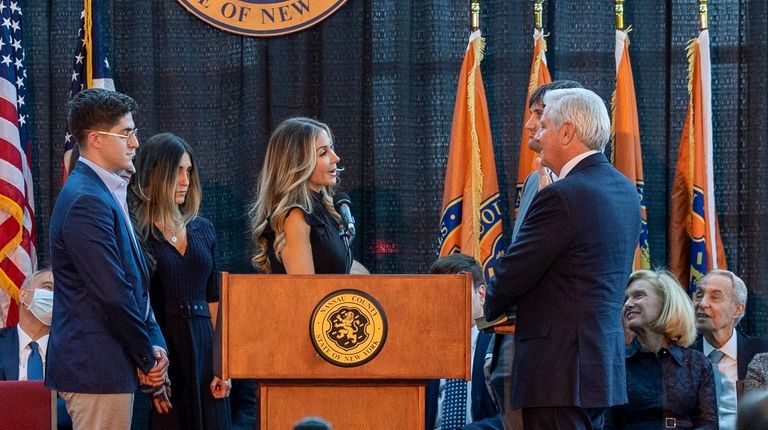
x=747, y=347
x=102, y=330
x=567, y=271
x=9, y=354
x=482, y=405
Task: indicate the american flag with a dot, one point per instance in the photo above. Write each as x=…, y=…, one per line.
x=90, y=66
x=17, y=203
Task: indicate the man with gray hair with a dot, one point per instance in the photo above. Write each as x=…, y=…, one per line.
x=566, y=271
x=720, y=300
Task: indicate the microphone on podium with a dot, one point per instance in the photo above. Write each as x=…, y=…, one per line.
x=343, y=204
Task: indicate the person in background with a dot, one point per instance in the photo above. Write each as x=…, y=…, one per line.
x=474, y=408
x=668, y=384
x=165, y=197
x=757, y=374
x=18, y=360
x=753, y=411
x=720, y=300
x=102, y=298
x=295, y=228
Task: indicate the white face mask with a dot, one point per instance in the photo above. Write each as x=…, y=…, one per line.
x=41, y=305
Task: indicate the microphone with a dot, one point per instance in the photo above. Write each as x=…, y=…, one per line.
x=343, y=204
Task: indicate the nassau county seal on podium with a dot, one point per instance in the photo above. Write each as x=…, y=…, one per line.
x=262, y=17
x=348, y=328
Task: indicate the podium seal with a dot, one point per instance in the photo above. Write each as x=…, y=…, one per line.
x=348, y=328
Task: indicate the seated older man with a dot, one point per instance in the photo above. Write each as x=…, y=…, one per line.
x=23, y=347
x=720, y=299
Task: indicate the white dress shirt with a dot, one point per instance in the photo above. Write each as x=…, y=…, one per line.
x=573, y=162
x=25, y=351
x=729, y=368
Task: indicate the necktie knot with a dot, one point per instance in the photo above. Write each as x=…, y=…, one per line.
x=715, y=356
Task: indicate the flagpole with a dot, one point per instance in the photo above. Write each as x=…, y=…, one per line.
x=703, y=14
x=619, y=14
x=474, y=15
x=538, y=14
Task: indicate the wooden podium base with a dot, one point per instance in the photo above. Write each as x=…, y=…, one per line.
x=346, y=405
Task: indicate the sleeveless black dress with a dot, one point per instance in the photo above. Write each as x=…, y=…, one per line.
x=329, y=251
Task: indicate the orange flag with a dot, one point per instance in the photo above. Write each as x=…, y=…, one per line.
x=695, y=246
x=471, y=217
x=627, y=155
x=539, y=76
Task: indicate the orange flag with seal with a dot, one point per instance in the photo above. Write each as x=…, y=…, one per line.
x=627, y=154
x=470, y=222
x=695, y=246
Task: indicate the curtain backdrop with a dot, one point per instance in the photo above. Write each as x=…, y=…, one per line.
x=383, y=75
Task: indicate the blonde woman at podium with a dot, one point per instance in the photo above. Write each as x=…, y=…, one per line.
x=295, y=227
x=165, y=198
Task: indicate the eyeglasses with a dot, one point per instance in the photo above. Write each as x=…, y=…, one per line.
x=133, y=133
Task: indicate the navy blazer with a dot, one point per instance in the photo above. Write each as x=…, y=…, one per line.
x=9, y=354
x=746, y=348
x=567, y=271
x=482, y=405
x=103, y=328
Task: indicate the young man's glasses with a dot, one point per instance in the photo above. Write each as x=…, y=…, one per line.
x=133, y=133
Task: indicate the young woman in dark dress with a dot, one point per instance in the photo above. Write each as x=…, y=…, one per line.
x=295, y=228
x=164, y=199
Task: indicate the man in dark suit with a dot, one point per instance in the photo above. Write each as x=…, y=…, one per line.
x=502, y=348
x=104, y=339
x=478, y=412
x=16, y=349
x=720, y=300
x=567, y=270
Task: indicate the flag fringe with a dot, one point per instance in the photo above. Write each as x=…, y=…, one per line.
x=17, y=213
x=478, y=47
x=539, y=49
x=88, y=38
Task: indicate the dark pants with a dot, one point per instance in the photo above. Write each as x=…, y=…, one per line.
x=563, y=418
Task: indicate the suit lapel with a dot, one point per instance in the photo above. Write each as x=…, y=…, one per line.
x=9, y=353
x=743, y=354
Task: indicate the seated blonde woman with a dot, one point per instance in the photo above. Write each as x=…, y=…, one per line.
x=668, y=384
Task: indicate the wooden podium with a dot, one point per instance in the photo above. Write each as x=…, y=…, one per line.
x=283, y=330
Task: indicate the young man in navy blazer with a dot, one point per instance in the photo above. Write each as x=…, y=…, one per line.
x=104, y=339
x=567, y=270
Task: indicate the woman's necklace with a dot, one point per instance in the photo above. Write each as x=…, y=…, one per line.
x=173, y=234
x=172, y=229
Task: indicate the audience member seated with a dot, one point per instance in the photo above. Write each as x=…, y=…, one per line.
x=668, y=384
x=23, y=348
x=753, y=411
x=475, y=408
x=757, y=374
x=720, y=300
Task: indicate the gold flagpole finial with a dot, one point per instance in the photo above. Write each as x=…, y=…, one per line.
x=474, y=15
x=620, y=14
x=538, y=12
x=703, y=14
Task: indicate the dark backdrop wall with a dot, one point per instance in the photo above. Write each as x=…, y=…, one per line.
x=383, y=75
